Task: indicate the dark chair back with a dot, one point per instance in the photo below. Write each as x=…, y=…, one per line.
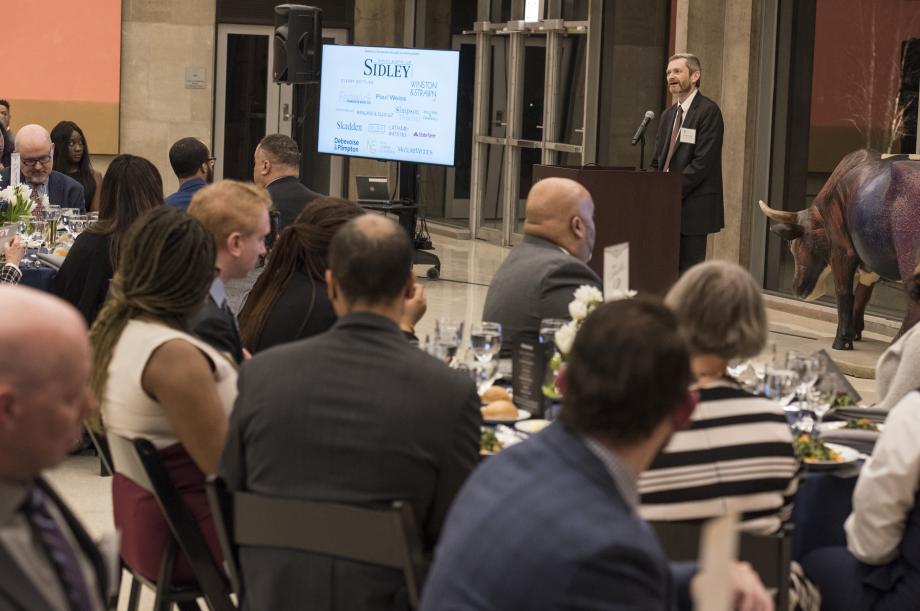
x=139, y=461
x=382, y=537
x=769, y=555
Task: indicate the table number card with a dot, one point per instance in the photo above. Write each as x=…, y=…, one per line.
x=616, y=269
x=14, y=169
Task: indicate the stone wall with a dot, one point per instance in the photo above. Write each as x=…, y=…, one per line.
x=160, y=39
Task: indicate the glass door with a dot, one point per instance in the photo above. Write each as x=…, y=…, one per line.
x=535, y=101
x=250, y=105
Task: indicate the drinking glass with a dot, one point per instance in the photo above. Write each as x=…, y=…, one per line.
x=484, y=373
x=822, y=396
x=485, y=340
x=548, y=328
x=807, y=368
x=780, y=384
x=447, y=337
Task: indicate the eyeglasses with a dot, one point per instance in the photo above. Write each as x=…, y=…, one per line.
x=31, y=163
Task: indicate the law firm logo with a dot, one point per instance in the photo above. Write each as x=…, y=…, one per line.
x=349, y=126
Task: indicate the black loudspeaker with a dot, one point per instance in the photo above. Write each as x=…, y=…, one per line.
x=298, y=44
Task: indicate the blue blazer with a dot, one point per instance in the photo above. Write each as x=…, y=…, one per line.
x=63, y=190
x=542, y=526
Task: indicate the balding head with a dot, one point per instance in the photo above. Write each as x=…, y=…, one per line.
x=561, y=210
x=33, y=143
x=370, y=262
x=44, y=381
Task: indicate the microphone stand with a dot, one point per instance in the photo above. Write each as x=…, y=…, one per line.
x=642, y=152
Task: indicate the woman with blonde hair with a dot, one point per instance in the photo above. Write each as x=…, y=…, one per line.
x=155, y=380
x=737, y=455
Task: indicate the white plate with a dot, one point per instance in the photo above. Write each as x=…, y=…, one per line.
x=532, y=426
x=838, y=425
x=848, y=454
x=522, y=414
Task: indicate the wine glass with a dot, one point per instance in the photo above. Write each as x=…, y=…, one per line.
x=485, y=340
x=781, y=384
x=807, y=368
x=822, y=396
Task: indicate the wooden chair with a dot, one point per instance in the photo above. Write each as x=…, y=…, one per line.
x=769, y=555
x=139, y=461
x=382, y=537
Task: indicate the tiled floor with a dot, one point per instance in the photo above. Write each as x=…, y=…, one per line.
x=466, y=269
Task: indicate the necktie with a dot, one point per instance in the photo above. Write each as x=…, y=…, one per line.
x=37, y=211
x=674, y=134
x=62, y=556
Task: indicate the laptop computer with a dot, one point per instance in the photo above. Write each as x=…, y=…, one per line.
x=373, y=190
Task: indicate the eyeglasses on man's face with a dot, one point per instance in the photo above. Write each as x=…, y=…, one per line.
x=31, y=162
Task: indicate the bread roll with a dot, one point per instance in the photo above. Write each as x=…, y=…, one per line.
x=495, y=393
x=500, y=410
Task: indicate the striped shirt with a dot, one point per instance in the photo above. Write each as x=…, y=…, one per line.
x=736, y=457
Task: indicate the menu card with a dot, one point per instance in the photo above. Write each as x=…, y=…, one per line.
x=528, y=366
x=616, y=269
x=14, y=170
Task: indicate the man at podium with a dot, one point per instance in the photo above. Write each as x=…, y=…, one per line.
x=690, y=142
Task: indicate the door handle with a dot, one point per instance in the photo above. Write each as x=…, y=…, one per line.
x=285, y=112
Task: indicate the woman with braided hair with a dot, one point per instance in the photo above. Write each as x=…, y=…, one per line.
x=289, y=300
x=155, y=380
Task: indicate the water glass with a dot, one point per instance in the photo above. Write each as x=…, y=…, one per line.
x=485, y=340
x=807, y=368
x=548, y=328
x=447, y=338
x=822, y=396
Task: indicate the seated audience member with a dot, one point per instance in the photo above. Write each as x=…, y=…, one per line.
x=48, y=560
x=289, y=300
x=132, y=185
x=277, y=168
x=354, y=415
x=879, y=569
x=710, y=469
x=155, y=380
x=33, y=143
x=552, y=523
x=71, y=157
x=194, y=167
x=6, y=150
x=896, y=372
x=13, y=252
x=539, y=277
x=236, y=214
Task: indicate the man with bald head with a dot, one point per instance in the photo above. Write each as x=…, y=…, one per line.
x=47, y=560
x=354, y=415
x=539, y=277
x=33, y=143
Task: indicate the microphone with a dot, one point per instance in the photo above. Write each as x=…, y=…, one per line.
x=649, y=115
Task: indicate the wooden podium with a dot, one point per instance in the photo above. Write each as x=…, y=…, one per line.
x=642, y=208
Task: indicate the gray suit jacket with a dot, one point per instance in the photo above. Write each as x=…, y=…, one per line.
x=355, y=415
x=536, y=281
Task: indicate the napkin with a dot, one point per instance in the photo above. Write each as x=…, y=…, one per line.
x=54, y=261
x=862, y=441
x=854, y=413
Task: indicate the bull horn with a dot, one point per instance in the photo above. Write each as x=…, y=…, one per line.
x=781, y=216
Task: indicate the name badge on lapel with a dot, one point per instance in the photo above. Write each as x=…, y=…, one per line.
x=687, y=135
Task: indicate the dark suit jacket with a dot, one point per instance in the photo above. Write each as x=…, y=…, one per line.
x=84, y=277
x=289, y=197
x=63, y=190
x=218, y=328
x=18, y=593
x=699, y=163
x=536, y=281
x=355, y=415
x=302, y=311
x=542, y=526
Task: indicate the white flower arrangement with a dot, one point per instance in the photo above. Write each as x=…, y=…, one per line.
x=16, y=202
x=584, y=301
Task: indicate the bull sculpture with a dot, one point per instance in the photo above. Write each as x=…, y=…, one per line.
x=867, y=216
